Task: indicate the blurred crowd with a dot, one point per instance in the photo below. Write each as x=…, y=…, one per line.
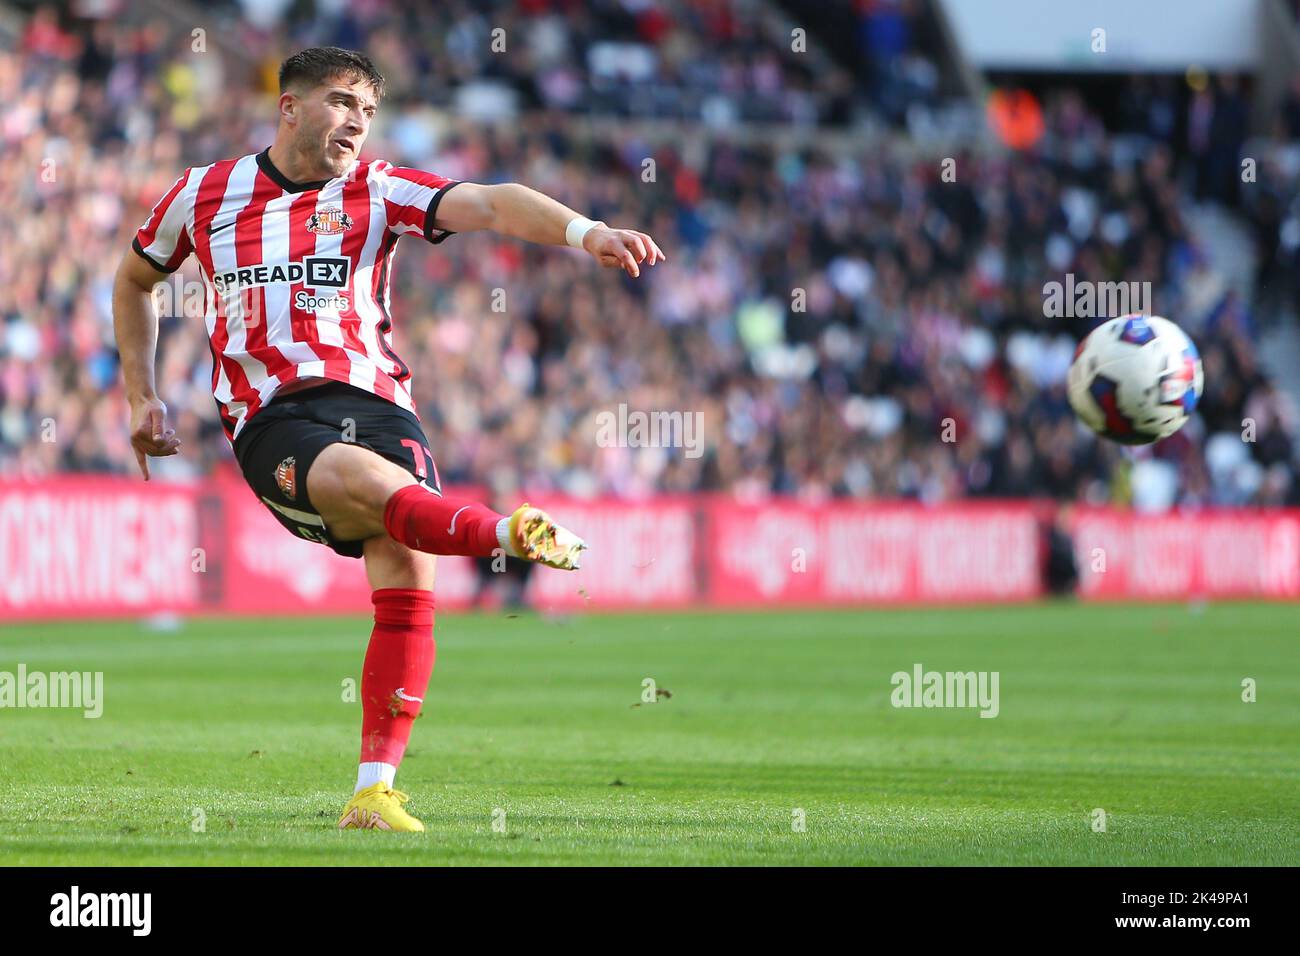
x=848, y=322
x=716, y=61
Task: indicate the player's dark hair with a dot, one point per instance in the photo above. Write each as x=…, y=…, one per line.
x=311, y=67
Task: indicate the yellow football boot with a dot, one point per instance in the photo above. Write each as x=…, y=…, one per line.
x=537, y=538
x=379, y=807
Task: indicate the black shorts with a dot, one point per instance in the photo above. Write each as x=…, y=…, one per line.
x=276, y=450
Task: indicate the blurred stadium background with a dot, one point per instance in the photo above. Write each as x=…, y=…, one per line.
x=833, y=303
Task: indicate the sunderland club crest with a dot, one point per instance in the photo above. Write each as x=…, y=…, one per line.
x=286, y=478
x=329, y=221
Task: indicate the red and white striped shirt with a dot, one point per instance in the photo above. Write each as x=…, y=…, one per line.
x=297, y=274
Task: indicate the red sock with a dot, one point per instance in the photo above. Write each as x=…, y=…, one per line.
x=396, y=673
x=424, y=521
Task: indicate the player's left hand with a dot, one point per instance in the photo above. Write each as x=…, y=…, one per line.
x=150, y=435
x=622, y=249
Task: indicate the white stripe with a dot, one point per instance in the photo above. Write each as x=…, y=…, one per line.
x=239, y=191
x=191, y=194
x=367, y=311
x=363, y=373
x=302, y=517
x=279, y=328
x=176, y=218
x=222, y=389
x=326, y=321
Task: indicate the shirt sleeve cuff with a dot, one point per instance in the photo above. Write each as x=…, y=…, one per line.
x=139, y=250
x=430, y=233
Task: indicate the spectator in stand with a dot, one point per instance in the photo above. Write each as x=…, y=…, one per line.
x=919, y=300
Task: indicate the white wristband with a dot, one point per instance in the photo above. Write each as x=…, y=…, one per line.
x=577, y=229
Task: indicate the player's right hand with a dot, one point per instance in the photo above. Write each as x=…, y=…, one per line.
x=622, y=248
x=150, y=436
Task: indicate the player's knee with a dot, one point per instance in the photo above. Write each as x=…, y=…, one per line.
x=390, y=564
x=408, y=569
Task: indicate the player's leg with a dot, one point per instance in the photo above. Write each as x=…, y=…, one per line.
x=390, y=564
x=394, y=680
x=305, y=467
x=361, y=494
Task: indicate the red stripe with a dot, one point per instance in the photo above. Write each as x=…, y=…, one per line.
x=412, y=216
x=183, y=249
x=356, y=203
x=227, y=420
x=248, y=251
x=401, y=372
x=206, y=204
x=302, y=324
x=384, y=384
x=420, y=176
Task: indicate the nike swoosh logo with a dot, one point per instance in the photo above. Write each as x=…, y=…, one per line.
x=212, y=231
x=452, y=529
x=401, y=695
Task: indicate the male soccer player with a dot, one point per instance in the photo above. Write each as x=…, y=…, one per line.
x=296, y=246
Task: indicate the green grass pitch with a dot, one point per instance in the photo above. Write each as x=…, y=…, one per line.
x=1136, y=710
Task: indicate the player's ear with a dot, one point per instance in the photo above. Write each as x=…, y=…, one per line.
x=288, y=107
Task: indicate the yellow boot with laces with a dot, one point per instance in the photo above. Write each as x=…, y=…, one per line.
x=379, y=807
x=536, y=537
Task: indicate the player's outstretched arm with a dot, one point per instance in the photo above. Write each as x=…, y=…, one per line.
x=136, y=327
x=515, y=210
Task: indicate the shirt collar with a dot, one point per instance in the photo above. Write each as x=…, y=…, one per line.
x=280, y=179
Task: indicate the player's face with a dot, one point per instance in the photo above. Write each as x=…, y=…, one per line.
x=334, y=120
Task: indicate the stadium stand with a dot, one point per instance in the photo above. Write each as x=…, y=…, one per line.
x=827, y=309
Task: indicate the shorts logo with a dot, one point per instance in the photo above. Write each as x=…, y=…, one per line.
x=329, y=221
x=286, y=477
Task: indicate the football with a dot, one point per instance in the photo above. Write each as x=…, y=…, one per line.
x=1135, y=379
